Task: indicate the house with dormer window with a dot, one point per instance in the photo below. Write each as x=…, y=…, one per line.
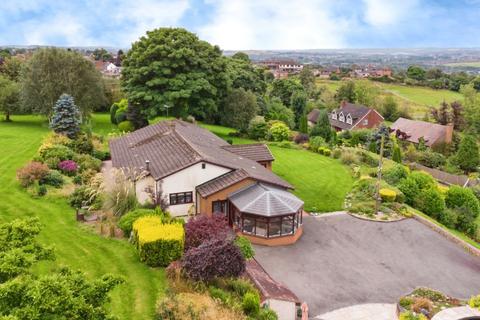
x=349, y=116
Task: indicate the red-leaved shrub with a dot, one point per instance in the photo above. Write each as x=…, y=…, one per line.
x=68, y=167
x=212, y=259
x=203, y=228
x=31, y=172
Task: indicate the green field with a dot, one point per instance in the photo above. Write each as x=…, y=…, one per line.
x=417, y=99
x=75, y=245
x=475, y=64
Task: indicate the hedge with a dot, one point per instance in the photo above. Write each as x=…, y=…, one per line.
x=158, y=244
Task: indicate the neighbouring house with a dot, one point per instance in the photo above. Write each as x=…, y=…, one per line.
x=371, y=71
x=200, y=173
x=413, y=130
x=349, y=116
x=282, y=68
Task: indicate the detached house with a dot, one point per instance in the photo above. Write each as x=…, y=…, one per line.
x=414, y=130
x=349, y=117
x=199, y=173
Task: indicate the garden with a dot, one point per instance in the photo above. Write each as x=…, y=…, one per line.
x=425, y=303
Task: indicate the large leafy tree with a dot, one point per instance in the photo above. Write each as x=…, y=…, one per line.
x=242, y=74
x=278, y=111
x=9, y=93
x=284, y=89
x=66, y=117
x=59, y=295
x=416, y=72
x=307, y=79
x=52, y=72
x=471, y=100
x=11, y=68
x=240, y=107
x=390, y=109
x=171, y=66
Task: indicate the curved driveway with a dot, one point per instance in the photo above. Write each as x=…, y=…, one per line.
x=341, y=261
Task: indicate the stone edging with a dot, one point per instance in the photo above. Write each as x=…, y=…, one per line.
x=358, y=216
x=467, y=246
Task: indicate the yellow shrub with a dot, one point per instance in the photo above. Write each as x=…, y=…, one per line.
x=475, y=302
x=388, y=195
x=158, y=244
x=443, y=189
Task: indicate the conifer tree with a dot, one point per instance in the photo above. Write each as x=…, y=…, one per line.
x=66, y=117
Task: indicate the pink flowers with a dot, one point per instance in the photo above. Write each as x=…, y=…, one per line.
x=68, y=166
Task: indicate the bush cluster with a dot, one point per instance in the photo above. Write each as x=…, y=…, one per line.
x=278, y=131
x=388, y=195
x=53, y=178
x=126, y=221
x=158, y=244
x=212, y=259
x=68, y=167
x=203, y=228
x=32, y=172
x=245, y=247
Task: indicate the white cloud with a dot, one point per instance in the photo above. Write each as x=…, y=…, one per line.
x=271, y=24
x=382, y=13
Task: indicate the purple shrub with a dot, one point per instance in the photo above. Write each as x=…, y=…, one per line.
x=212, y=259
x=68, y=167
x=301, y=138
x=202, y=228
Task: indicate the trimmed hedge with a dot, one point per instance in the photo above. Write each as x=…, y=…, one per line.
x=158, y=244
x=457, y=197
x=387, y=195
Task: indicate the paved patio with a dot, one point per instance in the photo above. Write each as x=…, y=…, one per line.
x=342, y=261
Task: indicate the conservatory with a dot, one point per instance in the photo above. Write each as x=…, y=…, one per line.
x=266, y=214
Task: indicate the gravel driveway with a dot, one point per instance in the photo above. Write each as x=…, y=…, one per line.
x=341, y=261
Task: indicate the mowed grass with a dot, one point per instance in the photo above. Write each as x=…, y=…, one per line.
x=76, y=246
x=321, y=182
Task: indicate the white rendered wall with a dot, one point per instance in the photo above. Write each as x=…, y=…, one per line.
x=186, y=180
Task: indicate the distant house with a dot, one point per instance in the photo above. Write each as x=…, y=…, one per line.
x=371, y=71
x=349, y=117
x=414, y=130
x=199, y=173
x=282, y=68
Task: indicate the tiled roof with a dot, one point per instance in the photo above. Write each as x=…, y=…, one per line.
x=431, y=132
x=265, y=200
x=356, y=111
x=173, y=145
x=256, y=151
x=313, y=115
x=221, y=182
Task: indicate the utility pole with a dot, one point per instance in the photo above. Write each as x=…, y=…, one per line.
x=379, y=176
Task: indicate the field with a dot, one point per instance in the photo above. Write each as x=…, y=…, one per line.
x=418, y=100
x=75, y=246
x=474, y=64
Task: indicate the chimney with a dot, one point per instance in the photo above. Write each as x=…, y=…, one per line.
x=448, y=133
x=147, y=165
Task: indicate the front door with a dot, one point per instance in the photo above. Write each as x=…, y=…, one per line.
x=222, y=207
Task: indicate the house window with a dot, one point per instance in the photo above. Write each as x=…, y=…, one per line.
x=204, y=165
x=219, y=206
x=365, y=122
x=181, y=198
x=349, y=119
x=341, y=117
x=334, y=115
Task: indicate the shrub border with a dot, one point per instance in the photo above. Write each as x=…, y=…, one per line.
x=447, y=234
x=361, y=217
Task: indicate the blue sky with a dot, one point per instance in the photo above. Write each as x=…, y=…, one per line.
x=246, y=24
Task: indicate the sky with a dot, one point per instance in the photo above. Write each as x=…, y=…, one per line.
x=246, y=24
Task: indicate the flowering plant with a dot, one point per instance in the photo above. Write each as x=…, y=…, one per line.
x=68, y=166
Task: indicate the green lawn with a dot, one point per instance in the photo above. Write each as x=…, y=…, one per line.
x=75, y=246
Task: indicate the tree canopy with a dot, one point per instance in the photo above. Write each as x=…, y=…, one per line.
x=9, y=94
x=240, y=107
x=242, y=74
x=284, y=89
x=171, y=66
x=51, y=72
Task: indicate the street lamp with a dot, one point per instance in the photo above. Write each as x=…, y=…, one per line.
x=166, y=107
